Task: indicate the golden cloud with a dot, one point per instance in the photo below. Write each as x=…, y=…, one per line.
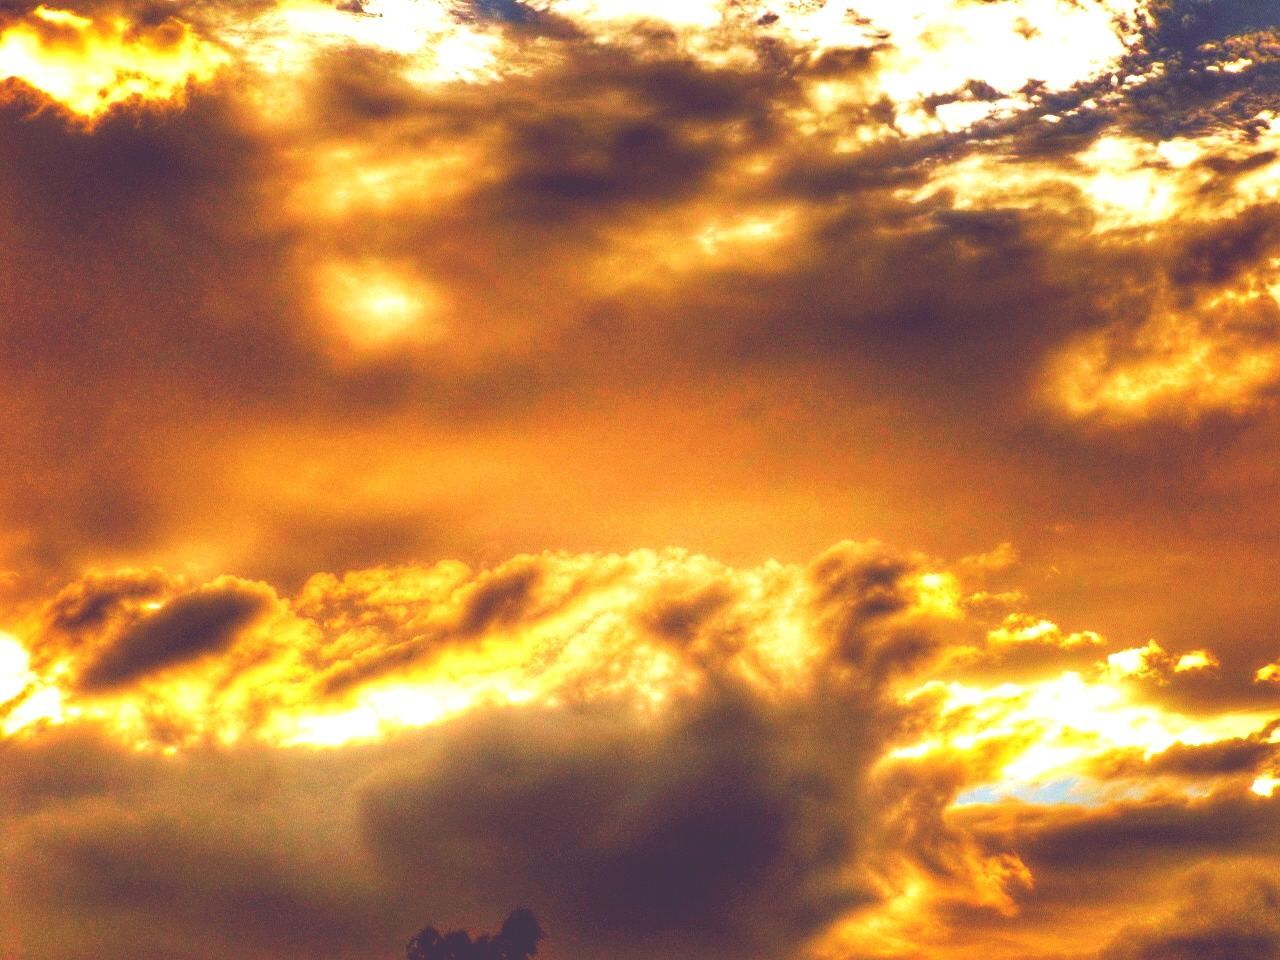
x=166, y=663
x=166, y=666
x=90, y=65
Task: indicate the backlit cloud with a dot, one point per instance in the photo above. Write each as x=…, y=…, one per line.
x=427, y=425
x=791, y=725
x=90, y=64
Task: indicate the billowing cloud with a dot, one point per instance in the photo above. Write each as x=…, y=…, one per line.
x=661, y=751
x=633, y=723
x=90, y=64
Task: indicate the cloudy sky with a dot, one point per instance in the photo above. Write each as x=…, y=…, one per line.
x=747, y=480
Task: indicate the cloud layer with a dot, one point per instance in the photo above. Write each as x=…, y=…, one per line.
x=658, y=751
x=567, y=336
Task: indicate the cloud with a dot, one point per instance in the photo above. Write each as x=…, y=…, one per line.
x=1126, y=867
x=650, y=768
x=97, y=597
x=89, y=65
x=186, y=628
x=350, y=656
x=355, y=287
x=656, y=750
x=642, y=712
x=666, y=210
x=1225, y=915
x=1225, y=757
x=115, y=852
x=718, y=829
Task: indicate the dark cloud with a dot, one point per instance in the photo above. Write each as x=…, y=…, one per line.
x=1226, y=916
x=718, y=830
x=186, y=628
x=510, y=11
x=88, y=603
x=1160, y=831
x=1110, y=881
x=116, y=855
x=1225, y=758
x=857, y=592
x=683, y=616
x=1217, y=255
x=1185, y=25
x=1122, y=857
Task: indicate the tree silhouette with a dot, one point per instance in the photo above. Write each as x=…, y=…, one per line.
x=517, y=940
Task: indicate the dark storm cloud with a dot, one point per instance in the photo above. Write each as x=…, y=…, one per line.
x=1186, y=25
x=117, y=627
x=719, y=831
x=728, y=830
x=184, y=629
x=681, y=123
x=1184, y=90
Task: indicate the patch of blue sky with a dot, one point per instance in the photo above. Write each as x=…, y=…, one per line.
x=1064, y=790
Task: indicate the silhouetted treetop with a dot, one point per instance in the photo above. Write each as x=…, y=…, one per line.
x=517, y=940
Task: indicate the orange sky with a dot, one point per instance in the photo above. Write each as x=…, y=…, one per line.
x=761, y=481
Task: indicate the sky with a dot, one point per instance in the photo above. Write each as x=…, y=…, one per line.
x=744, y=480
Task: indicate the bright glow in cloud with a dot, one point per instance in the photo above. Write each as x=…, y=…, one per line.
x=1175, y=365
x=26, y=699
x=376, y=306
x=945, y=67
x=91, y=65
x=355, y=179
x=1028, y=734
x=942, y=48
x=436, y=45
x=1124, y=183
x=1268, y=674
x=376, y=651
x=1020, y=629
x=15, y=668
x=678, y=13
x=1266, y=786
